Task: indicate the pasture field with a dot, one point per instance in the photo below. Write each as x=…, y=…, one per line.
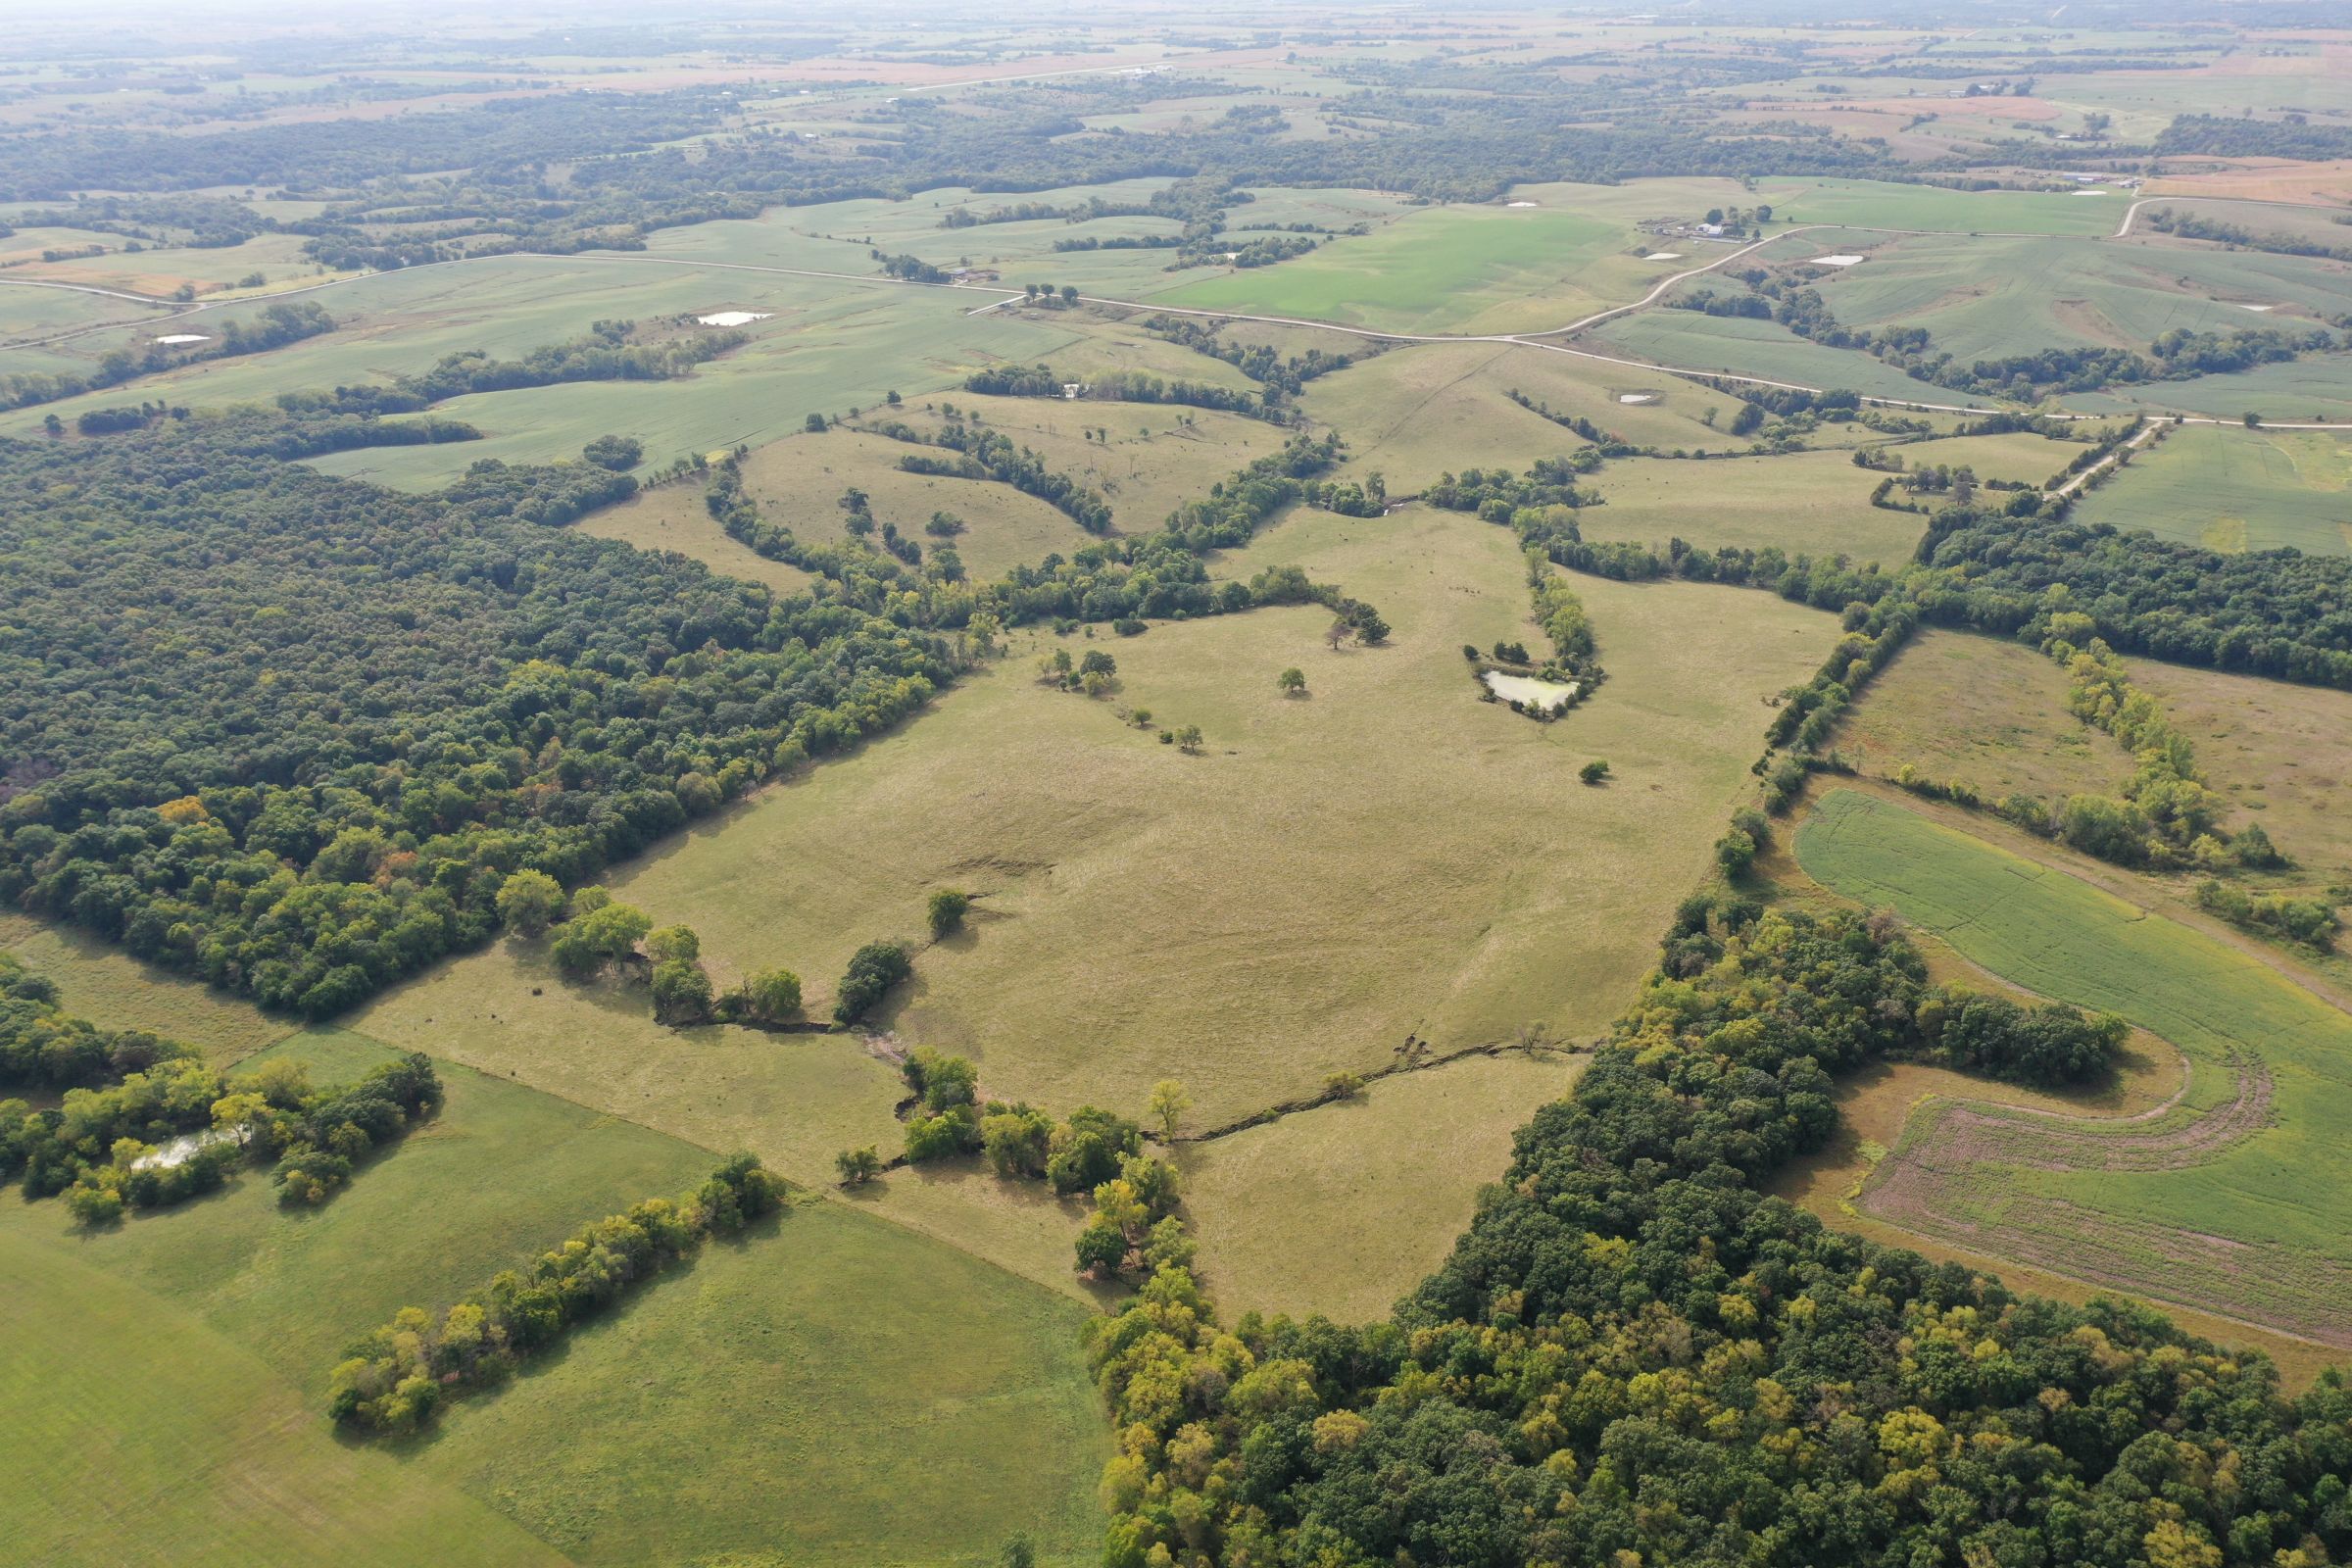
x=100, y=982
x=37, y=313
x=1220, y=918
x=1448, y=269
x=277, y=258
x=2316, y=223
x=1994, y=297
x=1152, y=457
x=803, y=479
x=801, y=1334
x=2225, y=1201
x=2234, y=489
x=1807, y=503
x=2281, y=753
x=1413, y=414
x=1983, y=712
x=673, y=518
x=1343, y=1208
x=201, y=1442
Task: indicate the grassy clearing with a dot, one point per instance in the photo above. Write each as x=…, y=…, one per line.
x=1448, y=269
x=1983, y=712
x=824, y=1328
x=2233, y=1215
x=1812, y=503
x=1340, y=1211
x=803, y=478
x=1153, y=457
x=1288, y=904
x=99, y=981
x=2234, y=489
x=673, y=518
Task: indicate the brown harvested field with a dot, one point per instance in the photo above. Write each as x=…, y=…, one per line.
x=1153, y=458
x=2283, y=754
x=1343, y=1209
x=673, y=518
x=2264, y=179
x=1983, y=712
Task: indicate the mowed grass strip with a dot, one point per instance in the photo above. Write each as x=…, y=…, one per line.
x=2282, y=1188
x=139, y=1433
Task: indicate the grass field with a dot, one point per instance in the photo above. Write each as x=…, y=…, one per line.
x=2313, y=387
x=2233, y=489
x=1812, y=503
x=867, y=1443
x=2228, y=1202
x=1112, y=947
x=2281, y=753
x=1693, y=341
x=99, y=981
x=1341, y=1209
x=1983, y=711
x=1870, y=203
x=673, y=518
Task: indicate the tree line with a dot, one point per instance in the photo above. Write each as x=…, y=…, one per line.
x=396, y=1378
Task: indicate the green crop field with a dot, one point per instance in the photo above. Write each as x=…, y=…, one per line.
x=2234, y=489
x=1453, y=268
x=1994, y=297
x=2229, y=1203
x=807, y=1334
x=1876, y=204
x=1766, y=350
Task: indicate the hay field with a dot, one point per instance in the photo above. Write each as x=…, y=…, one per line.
x=2230, y=1201
x=2234, y=489
x=794, y=1338
x=1343, y=1208
x=1293, y=902
x=1983, y=712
